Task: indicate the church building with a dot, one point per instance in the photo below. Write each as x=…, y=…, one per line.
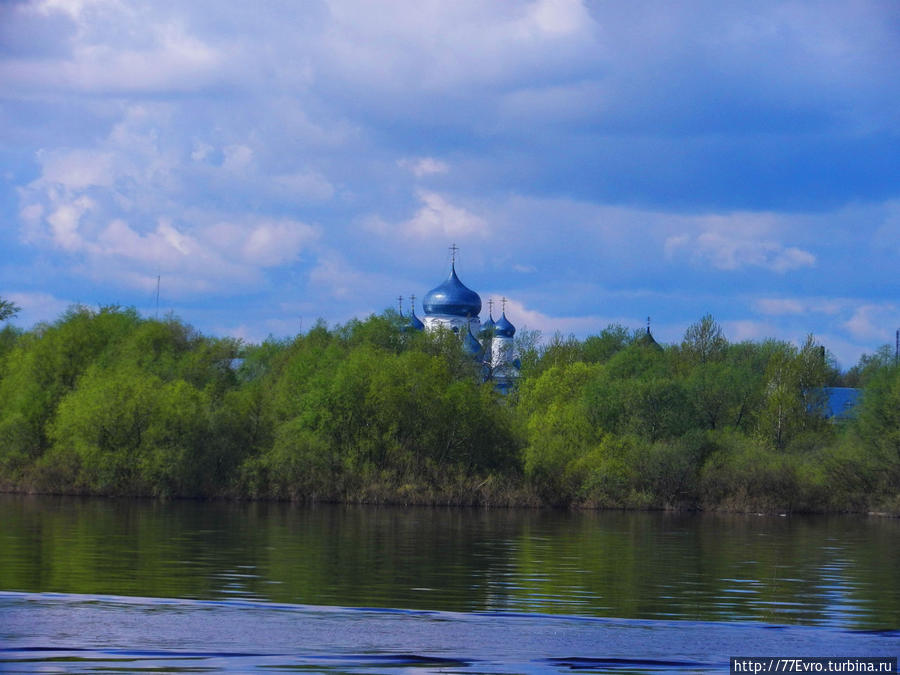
x=453, y=306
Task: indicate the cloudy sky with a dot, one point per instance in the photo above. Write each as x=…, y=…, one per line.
x=595, y=162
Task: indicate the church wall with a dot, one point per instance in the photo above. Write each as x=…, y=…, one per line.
x=455, y=323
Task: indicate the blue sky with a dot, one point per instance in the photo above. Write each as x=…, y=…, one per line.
x=595, y=162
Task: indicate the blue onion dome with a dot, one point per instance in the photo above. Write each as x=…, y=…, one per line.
x=415, y=323
x=503, y=328
x=470, y=344
x=452, y=298
x=488, y=328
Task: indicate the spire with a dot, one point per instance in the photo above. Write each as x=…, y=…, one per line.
x=414, y=322
x=647, y=338
x=400, y=304
x=487, y=328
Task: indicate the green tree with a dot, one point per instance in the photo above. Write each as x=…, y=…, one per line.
x=526, y=344
x=559, y=430
x=611, y=340
x=726, y=392
x=131, y=433
x=878, y=419
x=794, y=396
x=704, y=341
x=560, y=350
x=42, y=367
x=8, y=309
x=868, y=366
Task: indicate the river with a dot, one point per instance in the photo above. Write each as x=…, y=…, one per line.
x=95, y=585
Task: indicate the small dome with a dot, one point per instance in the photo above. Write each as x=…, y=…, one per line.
x=415, y=323
x=503, y=328
x=452, y=298
x=470, y=344
x=488, y=328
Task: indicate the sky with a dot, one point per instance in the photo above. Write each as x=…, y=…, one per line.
x=265, y=165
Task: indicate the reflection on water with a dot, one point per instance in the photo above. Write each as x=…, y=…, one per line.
x=840, y=572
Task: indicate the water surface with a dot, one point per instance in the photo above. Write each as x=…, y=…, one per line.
x=182, y=586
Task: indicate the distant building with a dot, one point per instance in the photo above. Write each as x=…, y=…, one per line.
x=840, y=403
x=646, y=339
x=453, y=306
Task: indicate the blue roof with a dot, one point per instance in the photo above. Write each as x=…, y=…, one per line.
x=470, y=344
x=415, y=322
x=453, y=298
x=488, y=327
x=504, y=328
x=840, y=402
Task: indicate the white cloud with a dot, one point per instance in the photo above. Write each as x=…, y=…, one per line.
x=237, y=157
x=36, y=306
x=780, y=306
x=532, y=319
x=436, y=220
x=800, y=306
x=77, y=169
x=873, y=322
x=559, y=17
x=118, y=47
x=727, y=251
x=439, y=218
x=118, y=208
x=336, y=275
x=64, y=223
x=424, y=166
x=739, y=330
x=790, y=258
x=305, y=184
x=201, y=151
x=674, y=244
x=272, y=244
x=74, y=8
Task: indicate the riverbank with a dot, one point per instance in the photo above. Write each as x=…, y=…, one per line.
x=496, y=493
x=108, y=403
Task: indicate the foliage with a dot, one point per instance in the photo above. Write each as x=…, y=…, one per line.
x=107, y=402
x=8, y=309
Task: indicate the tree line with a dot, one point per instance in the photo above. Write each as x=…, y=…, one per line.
x=107, y=402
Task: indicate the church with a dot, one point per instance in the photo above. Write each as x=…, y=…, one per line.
x=453, y=306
